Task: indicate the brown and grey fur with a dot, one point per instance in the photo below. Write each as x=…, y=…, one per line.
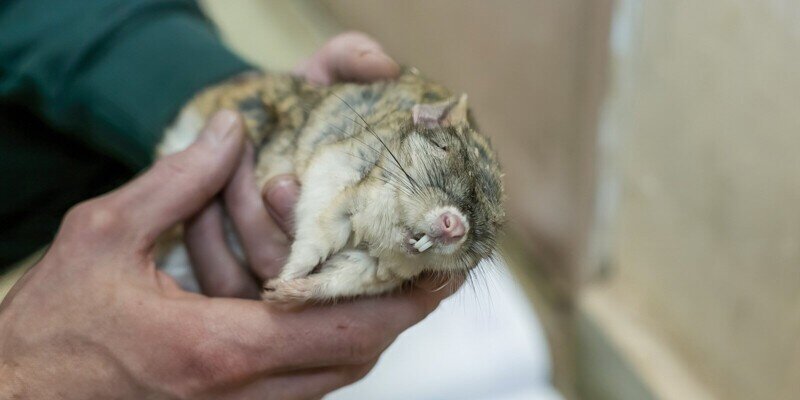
x=375, y=160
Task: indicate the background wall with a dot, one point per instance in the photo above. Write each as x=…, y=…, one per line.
x=704, y=136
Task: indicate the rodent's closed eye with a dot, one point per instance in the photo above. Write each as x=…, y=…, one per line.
x=436, y=140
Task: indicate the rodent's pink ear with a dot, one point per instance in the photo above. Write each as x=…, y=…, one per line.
x=451, y=112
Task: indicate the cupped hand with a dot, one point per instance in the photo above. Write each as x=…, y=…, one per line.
x=262, y=218
x=95, y=318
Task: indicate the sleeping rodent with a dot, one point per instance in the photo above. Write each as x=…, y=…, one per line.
x=396, y=180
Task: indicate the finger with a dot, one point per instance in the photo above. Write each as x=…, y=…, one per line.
x=349, y=333
x=350, y=56
x=444, y=286
x=265, y=245
x=178, y=185
x=307, y=384
x=280, y=195
x=216, y=268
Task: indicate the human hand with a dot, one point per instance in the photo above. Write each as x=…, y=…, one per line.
x=263, y=232
x=95, y=318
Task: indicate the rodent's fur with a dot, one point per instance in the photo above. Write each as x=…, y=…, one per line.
x=376, y=162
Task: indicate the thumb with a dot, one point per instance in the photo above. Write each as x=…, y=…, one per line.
x=280, y=194
x=179, y=185
x=349, y=57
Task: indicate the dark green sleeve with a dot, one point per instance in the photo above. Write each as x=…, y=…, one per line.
x=110, y=73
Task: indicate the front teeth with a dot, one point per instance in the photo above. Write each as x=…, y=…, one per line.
x=424, y=243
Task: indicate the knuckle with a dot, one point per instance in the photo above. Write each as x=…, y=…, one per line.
x=182, y=169
x=78, y=212
x=172, y=166
x=215, y=364
x=95, y=218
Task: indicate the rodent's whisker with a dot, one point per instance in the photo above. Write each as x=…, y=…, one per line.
x=397, y=185
x=369, y=129
x=443, y=285
x=359, y=140
x=400, y=178
x=395, y=175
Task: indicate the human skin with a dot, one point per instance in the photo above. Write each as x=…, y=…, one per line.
x=95, y=318
x=264, y=232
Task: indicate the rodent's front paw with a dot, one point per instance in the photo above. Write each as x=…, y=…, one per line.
x=383, y=274
x=301, y=262
x=287, y=292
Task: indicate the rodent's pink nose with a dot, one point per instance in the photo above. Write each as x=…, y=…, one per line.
x=451, y=226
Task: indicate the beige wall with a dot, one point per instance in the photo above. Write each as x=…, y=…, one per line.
x=274, y=34
x=703, y=124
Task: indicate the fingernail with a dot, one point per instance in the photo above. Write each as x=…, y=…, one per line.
x=222, y=124
x=378, y=55
x=281, y=194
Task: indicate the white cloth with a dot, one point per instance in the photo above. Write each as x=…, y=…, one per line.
x=484, y=342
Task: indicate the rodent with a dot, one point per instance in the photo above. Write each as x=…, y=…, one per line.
x=396, y=178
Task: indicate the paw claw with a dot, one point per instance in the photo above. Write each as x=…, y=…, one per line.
x=280, y=291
